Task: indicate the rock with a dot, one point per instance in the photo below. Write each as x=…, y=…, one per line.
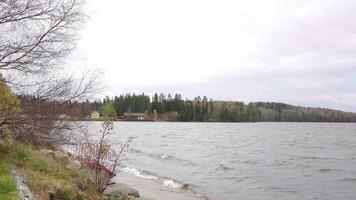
x=131, y=198
x=22, y=188
x=133, y=192
x=117, y=195
x=73, y=164
x=52, y=195
x=127, y=191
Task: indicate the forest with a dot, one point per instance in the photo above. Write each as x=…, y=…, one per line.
x=203, y=109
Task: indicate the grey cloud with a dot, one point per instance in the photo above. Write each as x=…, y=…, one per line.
x=332, y=88
x=302, y=52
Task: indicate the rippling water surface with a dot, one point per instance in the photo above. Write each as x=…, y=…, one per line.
x=246, y=160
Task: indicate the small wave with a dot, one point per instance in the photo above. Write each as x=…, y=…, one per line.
x=135, y=172
x=135, y=150
x=225, y=168
x=285, y=190
x=281, y=163
x=255, y=188
x=315, y=158
x=169, y=183
x=164, y=156
x=161, y=156
x=145, y=175
x=168, y=157
x=348, y=180
x=328, y=170
x=324, y=170
x=250, y=162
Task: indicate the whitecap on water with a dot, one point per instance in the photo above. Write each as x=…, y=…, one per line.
x=137, y=173
x=164, y=156
x=171, y=184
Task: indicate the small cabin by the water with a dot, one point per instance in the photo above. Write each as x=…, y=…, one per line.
x=133, y=117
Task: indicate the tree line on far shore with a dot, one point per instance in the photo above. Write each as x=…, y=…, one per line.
x=202, y=109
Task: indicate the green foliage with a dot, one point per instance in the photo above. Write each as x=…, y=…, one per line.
x=203, y=110
x=8, y=189
x=9, y=104
x=40, y=166
x=7, y=185
x=130, y=103
x=20, y=155
x=80, y=197
x=271, y=111
x=109, y=110
x=68, y=193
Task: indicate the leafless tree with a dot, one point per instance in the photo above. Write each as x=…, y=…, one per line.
x=40, y=116
x=37, y=34
x=35, y=37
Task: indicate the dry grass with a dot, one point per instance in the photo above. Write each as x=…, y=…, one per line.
x=46, y=175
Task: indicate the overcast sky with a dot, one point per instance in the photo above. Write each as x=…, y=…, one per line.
x=294, y=51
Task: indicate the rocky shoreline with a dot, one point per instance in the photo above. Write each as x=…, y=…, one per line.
x=124, y=187
x=21, y=185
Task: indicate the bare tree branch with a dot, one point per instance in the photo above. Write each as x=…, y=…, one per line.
x=37, y=34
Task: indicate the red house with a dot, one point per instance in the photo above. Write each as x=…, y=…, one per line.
x=132, y=117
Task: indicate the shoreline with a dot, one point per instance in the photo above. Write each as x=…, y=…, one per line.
x=150, y=187
x=153, y=190
x=212, y=122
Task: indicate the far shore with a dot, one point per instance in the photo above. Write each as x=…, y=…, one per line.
x=116, y=120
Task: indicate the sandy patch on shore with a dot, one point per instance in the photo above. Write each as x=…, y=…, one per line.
x=153, y=190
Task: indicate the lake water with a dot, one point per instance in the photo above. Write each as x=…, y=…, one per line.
x=245, y=160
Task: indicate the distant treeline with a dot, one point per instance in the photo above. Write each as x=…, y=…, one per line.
x=202, y=109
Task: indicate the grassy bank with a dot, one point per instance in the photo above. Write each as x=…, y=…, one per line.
x=45, y=174
x=7, y=185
